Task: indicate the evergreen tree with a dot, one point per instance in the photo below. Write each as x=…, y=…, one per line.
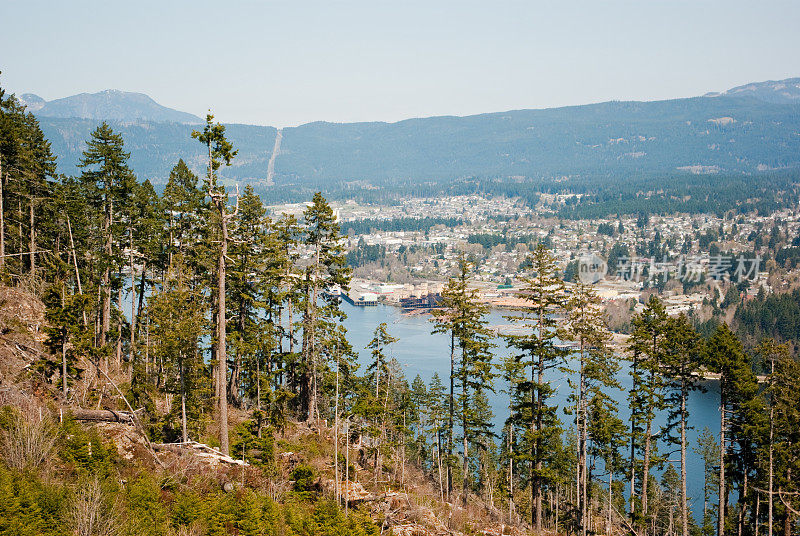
x=708, y=450
x=646, y=397
x=538, y=352
x=67, y=335
x=596, y=377
x=380, y=340
x=681, y=364
x=436, y=411
x=462, y=317
x=786, y=415
x=220, y=151
x=726, y=357
x=245, y=292
x=177, y=320
x=327, y=270
x=107, y=183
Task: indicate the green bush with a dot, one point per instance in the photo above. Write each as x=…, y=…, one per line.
x=303, y=477
x=84, y=450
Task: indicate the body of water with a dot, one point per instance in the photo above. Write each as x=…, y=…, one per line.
x=420, y=352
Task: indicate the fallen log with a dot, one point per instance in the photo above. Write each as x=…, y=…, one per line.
x=199, y=450
x=99, y=415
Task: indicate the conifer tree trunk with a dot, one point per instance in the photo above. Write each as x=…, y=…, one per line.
x=648, y=435
x=464, y=425
x=105, y=284
x=2, y=218
x=585, y=471
x=633, y=452
x=450, y=416
x=21, y=232
x=581, y=429
x=536, y=447
x=684, y=506
x=465, y=469
x=721, y=509
x=140, y=306
x=511, y=474
x=289, y=313
x=32, y=245
x=119, y=334
x=63, y=352
x=314, y=410
x=610, y=497
x=133, y=298
x=184, y=432
x=222, y=358
x=787, y=520
x=771, y=447
x=439, y=462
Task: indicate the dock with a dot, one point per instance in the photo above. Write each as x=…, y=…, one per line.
x=361, y=300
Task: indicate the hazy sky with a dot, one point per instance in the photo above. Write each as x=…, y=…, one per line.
x=284, y=63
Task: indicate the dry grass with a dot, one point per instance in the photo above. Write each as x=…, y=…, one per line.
x=29, y=442
x=91, y=513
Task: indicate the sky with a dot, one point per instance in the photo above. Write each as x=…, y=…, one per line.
x=285, y=63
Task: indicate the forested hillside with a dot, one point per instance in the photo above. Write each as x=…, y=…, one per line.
x=194, y=317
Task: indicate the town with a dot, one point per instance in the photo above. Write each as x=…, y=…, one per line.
x=692, y=261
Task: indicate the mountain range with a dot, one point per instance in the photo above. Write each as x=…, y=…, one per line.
x=746, y=130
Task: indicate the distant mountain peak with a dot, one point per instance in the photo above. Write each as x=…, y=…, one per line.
x=775, y=91
x=32, y=102
x=109, y=104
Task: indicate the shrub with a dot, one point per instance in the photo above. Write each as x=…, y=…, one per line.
x=303, y=477
x=28, y=443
